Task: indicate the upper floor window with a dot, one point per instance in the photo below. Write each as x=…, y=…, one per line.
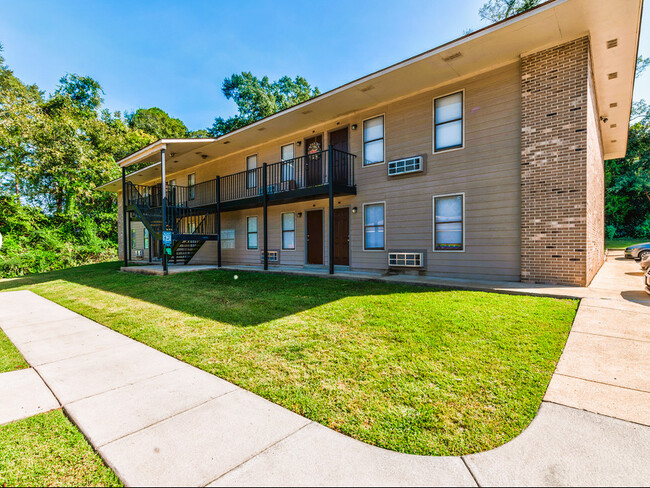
x=251, y=232
x=373, y=141
x=191, y=181
x=448, y=214
x=288, y=231
x=288, y=169
x=373, y=226
x=448, y=122
x=251, y=173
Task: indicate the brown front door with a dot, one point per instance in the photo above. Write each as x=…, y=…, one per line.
x=315, y=237
x=314, y=163
x=342, y=236
x=339, y=142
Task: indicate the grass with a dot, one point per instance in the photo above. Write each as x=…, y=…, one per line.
x=623, y=243
x=48, y=450
x=412, y=369
x=10, y=358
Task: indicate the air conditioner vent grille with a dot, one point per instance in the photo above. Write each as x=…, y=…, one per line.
x=273, y=256
x=405, y=166
x=405, y=259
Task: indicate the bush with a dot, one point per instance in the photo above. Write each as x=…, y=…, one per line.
x=610, y=232
x=34, y=242
x=643, y=229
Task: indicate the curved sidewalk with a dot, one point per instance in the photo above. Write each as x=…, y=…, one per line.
x=158, y=421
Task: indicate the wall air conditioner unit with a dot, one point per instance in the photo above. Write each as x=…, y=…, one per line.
x=405, y=166
x=138, y=253
x=401, y=259
x=274, y=256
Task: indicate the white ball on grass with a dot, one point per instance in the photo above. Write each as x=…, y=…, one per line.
x=235, y=277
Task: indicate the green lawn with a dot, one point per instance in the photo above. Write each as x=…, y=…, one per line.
x=10, y=358
x=623, y=243
x=48, y=450
x=412, y=369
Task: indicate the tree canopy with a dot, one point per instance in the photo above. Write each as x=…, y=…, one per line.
x=258, y=98
x=157, y=122
x=496, y=10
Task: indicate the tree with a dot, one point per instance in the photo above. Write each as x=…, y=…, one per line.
x=157, y=122
x=19, y=113
x=258, y=98
x=627, y=181
x=496, y=10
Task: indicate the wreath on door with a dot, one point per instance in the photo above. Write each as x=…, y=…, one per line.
x=313, y=148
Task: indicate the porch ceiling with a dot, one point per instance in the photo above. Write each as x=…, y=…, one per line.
x=551, y=23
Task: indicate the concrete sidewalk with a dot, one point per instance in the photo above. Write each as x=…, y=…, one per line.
x=158, y=421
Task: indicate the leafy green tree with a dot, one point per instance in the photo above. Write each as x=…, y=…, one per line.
x=157, y=122
x=496, y=10
x=19, y=114
x=627, y=180
x=258, y=98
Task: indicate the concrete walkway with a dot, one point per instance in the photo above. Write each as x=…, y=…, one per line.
x=23, y=394
x=158, y=421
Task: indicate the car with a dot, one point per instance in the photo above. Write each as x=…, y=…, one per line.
x=637, y=251
x=645, y=262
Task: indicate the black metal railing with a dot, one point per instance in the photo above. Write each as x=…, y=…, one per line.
x=188, y=221
x=284, y=177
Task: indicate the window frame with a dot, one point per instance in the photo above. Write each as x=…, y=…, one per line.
x=285, y=162
x=257, y=233
x=283, y=231
x=191, y=193
x=462, y=123
x=433, y=220
x=363, y=227
x=251, y=172
x=363, y=141
x=234, y=243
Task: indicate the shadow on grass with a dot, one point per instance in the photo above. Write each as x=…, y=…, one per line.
x=248, y=300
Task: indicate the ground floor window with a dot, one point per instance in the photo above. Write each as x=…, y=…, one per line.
x=373, y=226
x=146, y=239
x=448, y=213
x=251, y=230
x=228, y=239
x=288, y=231
x=134, y=238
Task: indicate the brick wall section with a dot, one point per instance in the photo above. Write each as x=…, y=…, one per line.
x=595, y=187
x=556, y=245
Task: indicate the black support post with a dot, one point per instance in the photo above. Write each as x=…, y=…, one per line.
x=163, y=188
x=266, y=232
x=330, y=181
x=125, y=236
x=219, y=221
x=130, y=237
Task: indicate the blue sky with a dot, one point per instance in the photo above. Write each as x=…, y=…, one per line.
x=175, y=55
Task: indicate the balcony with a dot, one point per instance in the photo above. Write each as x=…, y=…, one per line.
x=299, y=178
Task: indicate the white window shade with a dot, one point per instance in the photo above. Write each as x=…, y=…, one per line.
x=449, y=108
x=448, y=122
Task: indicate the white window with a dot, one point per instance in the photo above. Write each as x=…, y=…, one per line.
x=133, y=239
x=373, y=226
x=373, y=141
x=191, y=181
x=251, y=232
x=288, y=168
x=288, y=231
x=448, y=232
x=251, y=173
x=228, y=239
x=448, y=122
